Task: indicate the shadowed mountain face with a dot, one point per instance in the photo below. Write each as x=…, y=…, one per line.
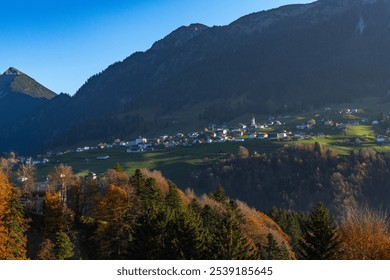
x=292, y=58
x=13, y=81
x=20, y=96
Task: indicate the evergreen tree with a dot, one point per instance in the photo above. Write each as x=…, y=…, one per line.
x=230, y=242
x=150, y=226
x=185, y=235
x=272, y=251
x=173, y=200
x=320, y=240
x=219, y=195
x=63, y=248
x=149, y=234
x=118, y=167
x=290, y=223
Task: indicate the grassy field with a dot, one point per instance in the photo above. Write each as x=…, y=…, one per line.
x=178, y=163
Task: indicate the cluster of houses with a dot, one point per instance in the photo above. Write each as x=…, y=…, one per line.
x=212, y=134
x=225, y=133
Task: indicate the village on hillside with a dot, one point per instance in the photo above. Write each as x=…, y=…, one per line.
x=281, y=128
x=275, y=128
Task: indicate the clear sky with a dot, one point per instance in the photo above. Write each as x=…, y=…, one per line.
x=61, y=43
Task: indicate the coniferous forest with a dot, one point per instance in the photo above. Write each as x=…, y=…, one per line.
x=145, y=216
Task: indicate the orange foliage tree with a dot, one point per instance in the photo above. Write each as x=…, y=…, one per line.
x=365, y=235
x=57, y=216
x=113, y=217
x=13, y=225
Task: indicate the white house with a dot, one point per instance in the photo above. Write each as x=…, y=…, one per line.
x=281, y=135
x=380, y=139
x=141, y=140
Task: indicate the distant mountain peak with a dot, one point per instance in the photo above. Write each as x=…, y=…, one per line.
x=15, y=81
x=12, y=71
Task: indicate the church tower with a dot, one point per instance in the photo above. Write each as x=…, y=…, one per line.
x=253, y=122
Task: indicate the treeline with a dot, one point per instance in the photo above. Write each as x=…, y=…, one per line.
x=145, y=216
x=298, y=177
x=361, y=233
x=142, y=216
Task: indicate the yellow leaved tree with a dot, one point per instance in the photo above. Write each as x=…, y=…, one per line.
x=13, y=225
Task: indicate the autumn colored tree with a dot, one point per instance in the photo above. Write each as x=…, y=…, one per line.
x=114, y=219
x=160, y=181
x=46, y=250
x=243, y=152
x=365, y=235
x=57, y=217
x=116, y=177
x=13, y=225
x=320, y=240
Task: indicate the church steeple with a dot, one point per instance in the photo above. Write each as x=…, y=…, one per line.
x=253, y=122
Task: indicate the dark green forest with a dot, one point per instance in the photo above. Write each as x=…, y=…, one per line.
x=298, y=177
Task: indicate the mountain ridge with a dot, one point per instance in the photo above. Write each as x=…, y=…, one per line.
x=287, y=59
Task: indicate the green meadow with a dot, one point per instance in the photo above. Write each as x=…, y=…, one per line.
x=178, y=163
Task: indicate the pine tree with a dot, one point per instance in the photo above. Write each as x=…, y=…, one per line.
x=148, y=240
x=185, y=235
x=272, y=251
x=219, y=195
x=63, y=248
x=118, y=167
x=230, y=240
x=150, y=226
x=173, y=200
x=320, y=240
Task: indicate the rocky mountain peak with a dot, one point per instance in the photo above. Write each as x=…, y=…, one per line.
x=15, y=81
x=12, y=71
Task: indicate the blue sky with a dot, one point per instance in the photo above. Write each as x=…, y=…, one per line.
x=62, y=43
